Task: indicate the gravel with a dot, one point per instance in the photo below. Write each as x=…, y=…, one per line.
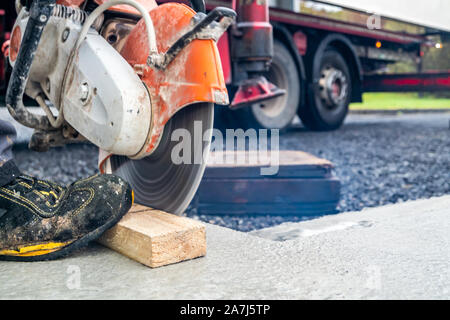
x=61, y=165
x=379, y=160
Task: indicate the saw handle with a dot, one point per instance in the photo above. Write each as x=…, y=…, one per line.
x=40, y=12
x=198, y=5
x=210, y=26
x=217, y=14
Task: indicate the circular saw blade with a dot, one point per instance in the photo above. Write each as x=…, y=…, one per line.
x=157, y=181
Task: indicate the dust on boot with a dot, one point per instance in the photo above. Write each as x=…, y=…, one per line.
x=40, y=220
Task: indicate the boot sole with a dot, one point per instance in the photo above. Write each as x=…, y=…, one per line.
x=75, y=245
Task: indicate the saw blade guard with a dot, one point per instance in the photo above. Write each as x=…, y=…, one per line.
x=189, y=71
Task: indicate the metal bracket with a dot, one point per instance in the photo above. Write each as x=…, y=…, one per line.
x=41, y=141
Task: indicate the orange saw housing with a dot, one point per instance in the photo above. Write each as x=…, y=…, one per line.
x=194, y=76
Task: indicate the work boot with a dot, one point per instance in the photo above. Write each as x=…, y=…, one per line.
x=40, y=220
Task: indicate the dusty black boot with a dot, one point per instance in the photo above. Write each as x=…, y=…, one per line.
x=40, y=220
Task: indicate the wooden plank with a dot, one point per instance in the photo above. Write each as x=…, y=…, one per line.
x=156, y=238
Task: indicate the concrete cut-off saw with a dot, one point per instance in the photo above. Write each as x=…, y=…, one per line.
x=123, y=75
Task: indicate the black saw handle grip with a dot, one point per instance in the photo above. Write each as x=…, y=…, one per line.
x=212, y=21
x=40, y=12
x=198, y=5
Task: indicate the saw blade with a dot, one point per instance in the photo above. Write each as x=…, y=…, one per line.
x=157, y=181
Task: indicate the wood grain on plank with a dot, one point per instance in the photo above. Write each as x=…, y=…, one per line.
x=156, y=238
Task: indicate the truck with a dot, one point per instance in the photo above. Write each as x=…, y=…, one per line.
x=284, y=58
x=326, y=54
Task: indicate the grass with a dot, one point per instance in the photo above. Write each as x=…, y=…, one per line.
x=399, y=101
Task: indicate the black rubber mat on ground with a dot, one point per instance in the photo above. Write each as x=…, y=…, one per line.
x=304, y=185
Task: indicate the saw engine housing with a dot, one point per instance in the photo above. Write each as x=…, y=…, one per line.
x=100, y=95
x=117, y=94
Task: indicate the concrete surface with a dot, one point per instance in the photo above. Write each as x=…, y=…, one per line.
x=394, y=252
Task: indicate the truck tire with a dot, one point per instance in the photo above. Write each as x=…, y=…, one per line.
x=328, y=101
x=276, y=113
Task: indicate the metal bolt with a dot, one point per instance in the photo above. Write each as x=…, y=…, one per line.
x=84, y=90
x=43, y=18
x=65, y=34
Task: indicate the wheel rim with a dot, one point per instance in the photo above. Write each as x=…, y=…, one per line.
x=270, y=114
x=274, y=107
x=333, y=87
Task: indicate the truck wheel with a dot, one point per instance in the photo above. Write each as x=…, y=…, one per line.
x=328, y=102
x=276, y=113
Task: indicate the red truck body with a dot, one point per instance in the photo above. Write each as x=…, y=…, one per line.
x=312, y=62
x=337, y=57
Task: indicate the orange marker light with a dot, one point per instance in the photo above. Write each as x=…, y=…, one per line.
x=378, y=44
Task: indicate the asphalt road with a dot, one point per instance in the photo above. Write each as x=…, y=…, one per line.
x=379, y=159
x=384, y=159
